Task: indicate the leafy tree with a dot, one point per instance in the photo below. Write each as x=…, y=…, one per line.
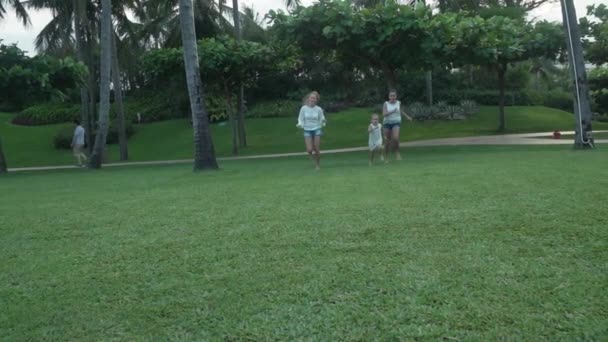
x=387, y=37
x=598, y=82
x=596, y=50
x=204, y=152
x=498, y=41
x=481, y=5
x=595, y=34
x=222, y=62
x=26, y=79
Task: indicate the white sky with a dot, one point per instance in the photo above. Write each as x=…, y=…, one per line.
x=12, y=31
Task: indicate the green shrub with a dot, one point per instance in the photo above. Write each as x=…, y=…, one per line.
x=217, y=108
x=469, y=107
x=559, y=99
x=484, y=97
x=598, y=82
x=271, y=109
x=63, y=138
x=46, y=114
x=600, y=117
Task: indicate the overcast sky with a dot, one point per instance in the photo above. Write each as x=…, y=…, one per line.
x=11, y=30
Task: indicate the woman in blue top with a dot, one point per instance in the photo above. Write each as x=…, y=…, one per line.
x=312, y=120
x=392, y=124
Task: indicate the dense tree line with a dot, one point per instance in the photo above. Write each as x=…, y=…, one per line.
x=355, y=49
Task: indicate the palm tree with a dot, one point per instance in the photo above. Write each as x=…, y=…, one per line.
x=20, y=10
x=292, y=4
x=161, y=23
x=25, y=19
x=241, y=90
x=204, y=152
x=120, y=111
x=3, y=168
x=104, y=85
x=75, y=27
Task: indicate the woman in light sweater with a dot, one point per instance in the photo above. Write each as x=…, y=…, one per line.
x=392, y=124
x=312, y=120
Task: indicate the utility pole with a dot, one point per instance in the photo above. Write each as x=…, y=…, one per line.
x=582, y=108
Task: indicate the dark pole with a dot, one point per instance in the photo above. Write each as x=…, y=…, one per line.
x=582, y=107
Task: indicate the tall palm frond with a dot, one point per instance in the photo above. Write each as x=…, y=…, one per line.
x=19, y=9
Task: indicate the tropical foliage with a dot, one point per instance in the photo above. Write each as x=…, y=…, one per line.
x=25, y=80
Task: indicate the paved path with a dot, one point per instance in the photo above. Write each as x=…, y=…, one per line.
x=506, y=139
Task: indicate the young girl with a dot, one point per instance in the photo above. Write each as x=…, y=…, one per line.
x=375, y=139
x=312, y=119
x=392, y=123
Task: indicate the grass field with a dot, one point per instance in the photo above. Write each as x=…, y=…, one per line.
x=475, y=243
x=32, y=146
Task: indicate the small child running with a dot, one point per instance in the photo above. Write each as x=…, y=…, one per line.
x=375, y=139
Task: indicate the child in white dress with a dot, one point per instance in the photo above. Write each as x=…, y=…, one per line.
x=375, y=139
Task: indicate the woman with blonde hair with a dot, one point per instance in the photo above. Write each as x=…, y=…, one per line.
x=312, y=120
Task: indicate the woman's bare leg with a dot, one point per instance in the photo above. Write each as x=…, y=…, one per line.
x=389, y=142
x=317, y=150
x=395, y=140
x=310, y=147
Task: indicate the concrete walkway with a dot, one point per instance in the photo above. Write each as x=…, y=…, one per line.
x=505, y=139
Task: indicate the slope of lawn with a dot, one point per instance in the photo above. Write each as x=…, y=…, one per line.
x=468, y=243
x=31, y=146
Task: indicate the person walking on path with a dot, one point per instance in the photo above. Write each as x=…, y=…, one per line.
x=78, y=144
x=375, y=139
x=391, y=111
x=312, y=120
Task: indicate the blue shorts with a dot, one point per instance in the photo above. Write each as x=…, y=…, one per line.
x=313, y=133
x=392, y=125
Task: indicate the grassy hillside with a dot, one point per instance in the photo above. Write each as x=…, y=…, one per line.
x=31, y=146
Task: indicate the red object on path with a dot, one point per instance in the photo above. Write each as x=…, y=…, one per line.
x=557, y=135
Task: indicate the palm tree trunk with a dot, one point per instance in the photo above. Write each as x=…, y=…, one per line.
x=231, y=118
x=204, y=152
x=241, y=94
x=97, y=155
x=3, y=167
x=120, y=117
x=429, y=87
x=389, y=76
x=92, y=103
x=80, y=54
x=502, y=70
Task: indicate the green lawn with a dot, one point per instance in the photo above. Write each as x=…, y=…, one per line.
x=32, y=146
x=475, y=243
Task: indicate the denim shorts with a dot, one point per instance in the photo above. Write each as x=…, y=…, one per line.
x=313, y=133
x=391, y=125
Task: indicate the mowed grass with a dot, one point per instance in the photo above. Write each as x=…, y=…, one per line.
x=32, y=146
x=475, y=243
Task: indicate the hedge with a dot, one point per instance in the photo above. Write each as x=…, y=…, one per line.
x=272, y=109
x=558, y=99
x=151, y=109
